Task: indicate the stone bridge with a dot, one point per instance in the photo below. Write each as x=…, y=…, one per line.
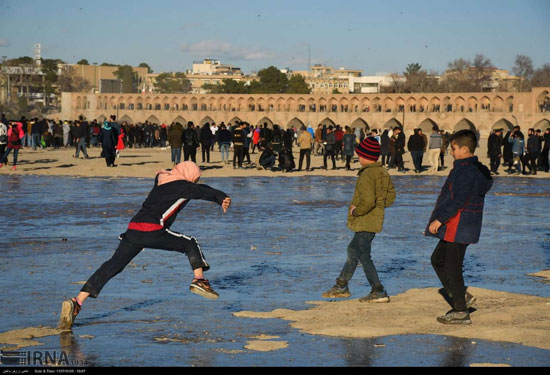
x=450, y=111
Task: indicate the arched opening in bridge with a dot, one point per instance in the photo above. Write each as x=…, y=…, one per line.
x=427, y=126
x=360, y=124
x=181, y=120
x=295, y=122
x=153, y=120
x=265, y=120
x=392, y=124
x=127, y=119
x=205, y=120
x=233, y=121
x=464, y=124
x=542, y=125
x=328, y=122
x=503, y=124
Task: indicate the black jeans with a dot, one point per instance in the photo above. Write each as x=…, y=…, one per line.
x=417, y=159
x=447, y=260
x=190, y=152
x=132, y=243
x=329, y=153
x=307, y=153
x=238, y=155
x=348, y=162
x=205, y=152
x=495, y=162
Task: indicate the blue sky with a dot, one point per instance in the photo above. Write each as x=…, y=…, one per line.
x=376, y=36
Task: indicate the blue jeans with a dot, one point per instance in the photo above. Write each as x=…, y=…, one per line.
x=5, y=156
x=35, y=141
x=81, y=145
x=359, y=250
x=224, y=148
x=176, y=155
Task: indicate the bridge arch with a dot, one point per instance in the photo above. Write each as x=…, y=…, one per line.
x=464, y=124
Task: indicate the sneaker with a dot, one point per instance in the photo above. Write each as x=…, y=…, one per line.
x=376, y=297
x=455, y=317
x=202, y=288
x=337, y=291
x=69, y=310
x=470, y=299
x=1, y=165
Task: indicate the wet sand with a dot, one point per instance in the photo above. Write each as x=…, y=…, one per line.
x=496, y=316
x=145, y=162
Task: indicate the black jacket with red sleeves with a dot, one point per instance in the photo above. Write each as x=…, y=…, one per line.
x=165, y=201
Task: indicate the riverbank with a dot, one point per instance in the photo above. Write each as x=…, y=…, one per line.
x=145, y=162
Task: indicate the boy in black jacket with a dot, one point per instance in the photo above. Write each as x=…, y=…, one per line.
x=150, y=228
x=456, y=221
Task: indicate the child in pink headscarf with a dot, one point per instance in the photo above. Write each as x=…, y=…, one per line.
x=150, y=228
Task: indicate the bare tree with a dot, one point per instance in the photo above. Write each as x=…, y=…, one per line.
x=523, y=68
x=541, y=76
x=67, y=81
x=481, y=67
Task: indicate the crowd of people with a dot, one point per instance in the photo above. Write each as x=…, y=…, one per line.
x=273, y=144
x=518, y=154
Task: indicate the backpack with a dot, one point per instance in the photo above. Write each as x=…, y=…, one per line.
x=15, y=140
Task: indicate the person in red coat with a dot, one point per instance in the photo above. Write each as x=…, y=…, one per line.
x=15, y=134
x=120, y=143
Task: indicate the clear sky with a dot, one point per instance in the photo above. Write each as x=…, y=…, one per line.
x=373, y=35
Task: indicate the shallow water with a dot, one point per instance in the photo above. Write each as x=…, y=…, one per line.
x=282, y=243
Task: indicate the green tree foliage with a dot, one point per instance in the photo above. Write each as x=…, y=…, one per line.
x=168, y=83
x=272, y=81
x=297, y=85
x=83, y=62
x=145, y=65
x=128, y=77
x=228, y=86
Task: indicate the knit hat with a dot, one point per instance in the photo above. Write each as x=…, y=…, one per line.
x=368, y=149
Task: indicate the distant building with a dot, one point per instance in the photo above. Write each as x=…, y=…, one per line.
x=214, y=67
x=497, y=79
x=323, y=79
x=370, y=84
x=102, y=76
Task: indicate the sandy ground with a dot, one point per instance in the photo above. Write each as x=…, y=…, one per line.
x=498, y=316
x=146, y=161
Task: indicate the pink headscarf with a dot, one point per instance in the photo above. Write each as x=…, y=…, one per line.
x=187, y=171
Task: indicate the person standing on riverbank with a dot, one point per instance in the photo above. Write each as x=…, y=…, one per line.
x=494, y=149
x=456, y=221
x=14, y=133
x=374, y=192
x=108, y=139
x=150, y=228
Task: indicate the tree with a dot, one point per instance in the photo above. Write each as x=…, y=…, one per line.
x=168, y=83
x=523, y=68
x=297, y=85
x=416, y=78
x=541, y=76
x=481, y=69
x=145, y=65
x=67, y=81
x=272, y=81
x=128, y=77
x=83, y=62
